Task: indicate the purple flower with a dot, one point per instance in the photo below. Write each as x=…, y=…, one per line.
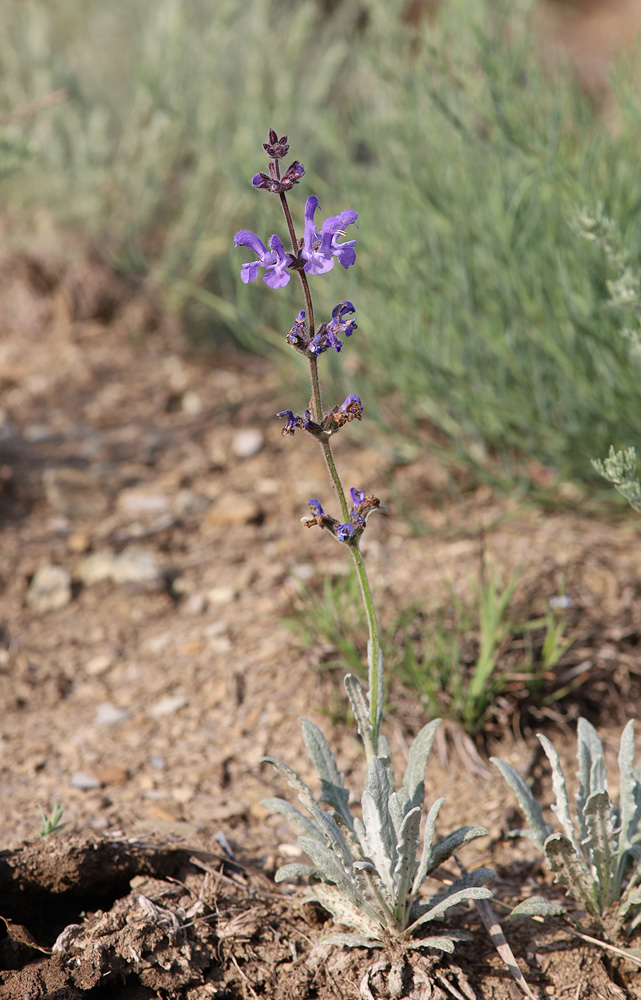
x=274, y=182
x=297, y=336
x=274, y=261
x=320, y=248
x=344, y=532
x=292, y=421
x=357, y=496
x=352, y=407
x=276, y=148
x=315, y=508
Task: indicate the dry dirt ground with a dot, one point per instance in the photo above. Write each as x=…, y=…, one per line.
x=145, y=673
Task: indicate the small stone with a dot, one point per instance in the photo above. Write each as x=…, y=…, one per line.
x=112, y=775
x=136, y=502
x=155, y=644
x=78, y=542
x=74, y=492
x=220, y=595
x=98, y=665
x=108, y=715
x=188, y=502
x=183, y=794
x=158, y=762
x=167, y=706
x=95, y=568
x=234, y=508
x=192, y=403
x=85, y=781
x=50, y=589
x=248, y=442
x=195, y=604
x=215, y=629
x=136, y=565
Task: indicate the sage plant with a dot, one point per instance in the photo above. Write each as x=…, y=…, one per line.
x=367, y=872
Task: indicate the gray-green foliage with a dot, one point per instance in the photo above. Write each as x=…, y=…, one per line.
x=619, y=468
x=368, y=873
x=598, y=856
x=465, y=162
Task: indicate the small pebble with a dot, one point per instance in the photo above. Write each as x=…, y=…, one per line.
x=192, y=403
x=81, y=780
x=158, y=762
x=155, y=644
x=220, y=595
x=95, y=568
x=98, y=664
x=136, y=565
x=108, y=715
x=74, y=492
x=248, y=442
x=167, y=706
x=234, y=508
x=136, y=502
x=215, y=629
x=78, y=542
x=195, y=604
x=50, y=589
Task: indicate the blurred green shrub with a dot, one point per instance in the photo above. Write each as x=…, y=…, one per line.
x=483, y=309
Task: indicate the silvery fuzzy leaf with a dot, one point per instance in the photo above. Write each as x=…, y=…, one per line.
x=448, y=939
x=358, y=702
x=381, y=838
x=428, y=839
x=470, y=880
x=331, y=867
x=562, y=807
x=537, y=906
x=361, y=833
x=332, y=782
x=351, y=941
x=539, y=829
x=591, y=771
x=419, y=755
x=601, y=844
x=287, y=872
x=385, y=754
x=446, y=847
x=376, y=670
x=629, y=807
x=333, y=836
x=397, y=813
x=452, y=900
x=374, y=892
x=295, y=818
x=407, y=851
x=357, y=916
x=571, y=871
x=302, y=790
x=629, y=901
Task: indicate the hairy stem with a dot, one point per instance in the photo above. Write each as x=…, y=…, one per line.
x=375, y=656
x=376, y=692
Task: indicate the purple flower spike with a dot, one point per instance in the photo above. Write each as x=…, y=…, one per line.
x=276, y=148
x=358, y=496
x=315, y=508
x=320, y=248
x=344, y=532
x=353, y=407
x=274, y=261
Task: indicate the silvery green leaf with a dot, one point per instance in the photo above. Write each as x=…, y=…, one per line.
x=407, y=851
x=357, y=916
x=358, y=702
x=286, y=872
x=332, y=782
x=331, y=867
x=629, y=901
x=591, y=772
x=333, y=836
x=351, y=941
x=537, y=906
x=295, y=818
x=440, y=908
x=571, y=871
x=376, y=670
x=470, y=880
x=562, y=807
x=374, y=892
x=381, y=838
x=601, y=844
x=303, y=791
x=539, y=829
x=361, y=833
x=441, y=943
x=385, y=754
x=397, y=813
x=629, y=809
x=428, y=839
x=419, y=755
x=445, y=848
